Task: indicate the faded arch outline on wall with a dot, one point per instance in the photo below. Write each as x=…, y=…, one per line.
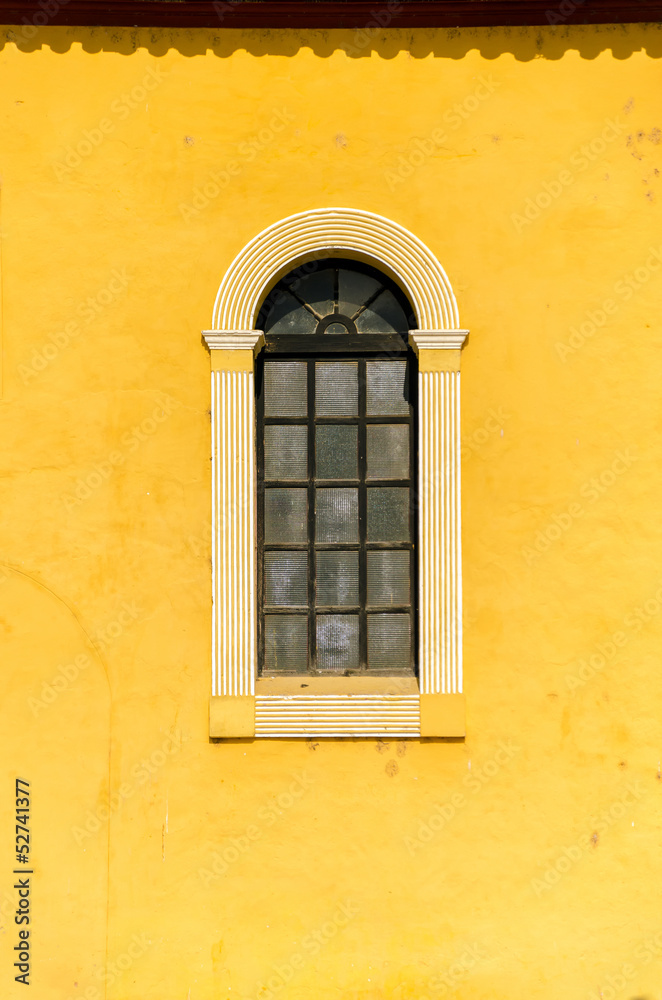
x=241, y=704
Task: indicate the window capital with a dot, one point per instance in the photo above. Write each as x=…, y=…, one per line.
x=438, y=350
x=438, y=340
x=234, y=340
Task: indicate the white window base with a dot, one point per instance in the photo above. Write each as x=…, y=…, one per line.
x=342, y=714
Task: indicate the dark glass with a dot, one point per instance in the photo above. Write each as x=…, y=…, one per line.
x=285, y=516
x=285, y=451
x=337, y=643
x=388, y=451
x=337, y=579
x=337, y=515
x=383, y=316
x=354, y=290
x=316, y=289
x=285, y=389
x=337, y=451
x=286, y=579
x=287, y=315
x=286, y=643
x=389, y=641
x=388, y=514
x=336, y=388
x=335, y=471
x=388, y=578
x=386, y=388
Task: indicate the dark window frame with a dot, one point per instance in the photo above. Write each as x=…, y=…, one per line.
x=310, y=348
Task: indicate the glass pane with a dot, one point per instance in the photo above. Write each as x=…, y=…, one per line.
x=285, y=452
x=285, y=389
x=337, y=515
x=389, y=642
x=388, y=514
x=286, y=578
x=353, y=290
x=287, y=315
x=383, y=316
x=338, y=578
x=388, y=578
x=388, y=451
x=336, y=388
x=317, y=290
x=337, y=643
x=386, y=387
x=336, y=452
x=286, y=643
x=285, y=516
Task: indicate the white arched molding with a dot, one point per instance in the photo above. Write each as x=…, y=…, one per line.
x=327, y=232
x=243, y=705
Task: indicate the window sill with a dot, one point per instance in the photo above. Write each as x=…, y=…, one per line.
x=380, y=707
x=284, y=686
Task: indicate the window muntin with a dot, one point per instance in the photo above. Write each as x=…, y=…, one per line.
x=336, y=466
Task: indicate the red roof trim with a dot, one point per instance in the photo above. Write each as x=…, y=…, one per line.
x=343, y=14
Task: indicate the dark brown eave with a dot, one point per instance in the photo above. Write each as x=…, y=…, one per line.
x=343, y=14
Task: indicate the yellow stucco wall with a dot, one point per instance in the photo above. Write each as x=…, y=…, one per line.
x=522, y=863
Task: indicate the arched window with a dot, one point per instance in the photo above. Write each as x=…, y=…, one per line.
x=316, y=403
x=336, y=470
